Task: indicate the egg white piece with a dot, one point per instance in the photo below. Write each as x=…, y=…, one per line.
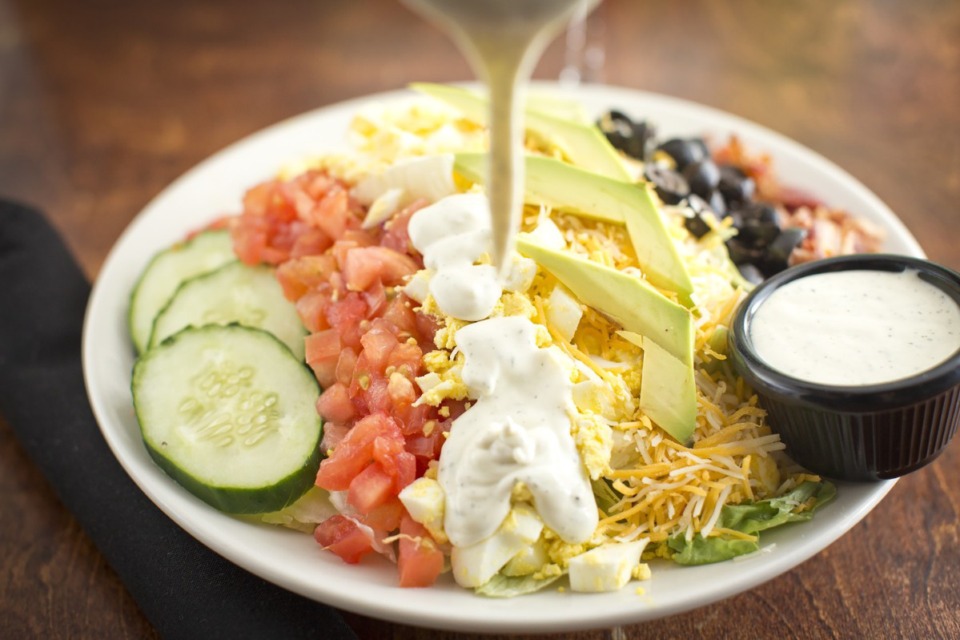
x=605, y=568
x=424, y=500
x=475, y=564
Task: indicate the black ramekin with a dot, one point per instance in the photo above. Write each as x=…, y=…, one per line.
x=869, y=432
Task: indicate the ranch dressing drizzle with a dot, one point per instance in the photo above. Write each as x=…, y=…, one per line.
x=452, y=234
x=503, y=40
x=853, y=328
x=518, y=430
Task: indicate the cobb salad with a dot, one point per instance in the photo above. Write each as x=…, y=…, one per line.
x=572, y=419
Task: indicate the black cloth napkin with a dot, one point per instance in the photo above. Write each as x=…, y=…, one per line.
x=183, y=588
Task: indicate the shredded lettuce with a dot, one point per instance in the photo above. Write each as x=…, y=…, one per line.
x=751, y=518
x=605, y=495
x=305, y=514
x=501, y=586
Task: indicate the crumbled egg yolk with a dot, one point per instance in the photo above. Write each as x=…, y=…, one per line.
x=442, y=380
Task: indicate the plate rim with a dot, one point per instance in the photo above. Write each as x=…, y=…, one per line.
x=521, y=619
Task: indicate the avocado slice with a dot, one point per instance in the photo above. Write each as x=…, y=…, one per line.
x=668, y=392
x=564, y=187
x=625, y=298
x=661, y=327
x=583, y=144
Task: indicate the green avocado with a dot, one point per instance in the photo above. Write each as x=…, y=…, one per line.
x=561, y=186
x=661, y=327
x=582, y=144
x=668, y=392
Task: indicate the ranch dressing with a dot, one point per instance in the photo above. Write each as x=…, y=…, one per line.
x=518, y=430
x=503, y=40
x=851, y=328
x=452, y=234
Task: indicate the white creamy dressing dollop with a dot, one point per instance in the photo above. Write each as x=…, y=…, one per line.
x=503, y=40
x=452, y=234
x=852, y=328
x=518, y=430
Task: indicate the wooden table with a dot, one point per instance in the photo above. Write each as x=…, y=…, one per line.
x=103, y=103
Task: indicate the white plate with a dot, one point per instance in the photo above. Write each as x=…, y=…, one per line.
x=294, y=560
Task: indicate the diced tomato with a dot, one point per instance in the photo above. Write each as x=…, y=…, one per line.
x=332, y=213
x=333, y=434
x=350, y=457
x=269, y=199
x=311, y=309
x=406, y=469
x=343, y=465
x=346, y=363
x=322, y=351
x=400, y=314
x=370, y=488
x=344, y=537
x=311, y=243
x=284, y=236
x=257, y=199
x=355, y=451
x=385, y=517
x=387, y=445
x=396, y=235
x=322, y=345
x=362, y=376
x=249, y=237
x=316, y=183
x=376, y=396
x=362, y=266
x=359, y=237
x=412, y=419
x=302, y=201
x=399, y=464
x=420, y=560
x=406, y=359
x=425, y=446
x=427, y=326
x=334, y=404
x=301, y=275
x=341, y=249
x=347, y=315
x=341, y=278
x=376, y=298
x=325, y=371
x=378, y=343
x=401, y=389
x=456, y=409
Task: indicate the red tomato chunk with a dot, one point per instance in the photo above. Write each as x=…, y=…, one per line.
x=344, y=537
x=365, y=347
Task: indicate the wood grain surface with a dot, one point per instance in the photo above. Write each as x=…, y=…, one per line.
x=103, y=103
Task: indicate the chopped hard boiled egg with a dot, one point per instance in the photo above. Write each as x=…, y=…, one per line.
x=475, y=564
x=428, y=177
x=607, y=567
x=594, y=440
x=530, y=560
x=563, y=312
x=383, y=207
x=424, y=501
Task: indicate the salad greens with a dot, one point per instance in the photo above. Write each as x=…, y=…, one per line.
x=751, y=518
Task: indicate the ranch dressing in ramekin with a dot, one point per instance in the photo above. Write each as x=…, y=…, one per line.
x=855, y=328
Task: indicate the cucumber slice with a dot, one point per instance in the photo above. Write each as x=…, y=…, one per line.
x=231, y=415
x=235, y=292
x=204, y=252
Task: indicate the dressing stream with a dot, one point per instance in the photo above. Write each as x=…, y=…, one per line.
x=503, y=40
